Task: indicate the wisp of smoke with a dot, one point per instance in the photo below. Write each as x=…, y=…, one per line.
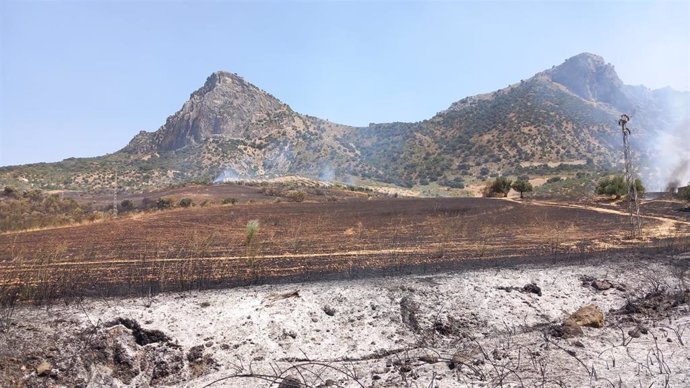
x=327, y=174
x=228, y=175
x=672, y=155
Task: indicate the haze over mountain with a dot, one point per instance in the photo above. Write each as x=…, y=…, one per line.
x=564, y=116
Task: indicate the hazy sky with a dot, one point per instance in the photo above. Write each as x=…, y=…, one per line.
x=80, y=78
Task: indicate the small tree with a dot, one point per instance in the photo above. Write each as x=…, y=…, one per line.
x=522, y=186
x=499, y=187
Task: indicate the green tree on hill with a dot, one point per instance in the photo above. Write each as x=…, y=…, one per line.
x=522, y=186
x=499, y=187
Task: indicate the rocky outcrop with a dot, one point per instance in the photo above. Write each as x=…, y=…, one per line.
x=226, y=105
x=589, y=77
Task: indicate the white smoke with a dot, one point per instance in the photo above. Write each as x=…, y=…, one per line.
x=228, y=175
x=327, y=174
x=671, y=157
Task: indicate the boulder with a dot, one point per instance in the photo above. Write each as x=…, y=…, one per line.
x=408, y=313
x=44, y=368
x=532, y=288
x=330, y=311
x=589, y=315
x=568, y=329
x=602, y=285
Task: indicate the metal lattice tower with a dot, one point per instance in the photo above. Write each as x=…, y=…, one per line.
x=633, y=204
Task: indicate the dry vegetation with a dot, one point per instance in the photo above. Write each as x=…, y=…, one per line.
x=201, y=247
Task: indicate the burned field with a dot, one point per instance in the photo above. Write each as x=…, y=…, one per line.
x=205, y=247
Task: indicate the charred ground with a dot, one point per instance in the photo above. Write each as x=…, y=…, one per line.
x=349, y=236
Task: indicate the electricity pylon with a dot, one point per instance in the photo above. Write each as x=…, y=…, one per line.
x=633, y=204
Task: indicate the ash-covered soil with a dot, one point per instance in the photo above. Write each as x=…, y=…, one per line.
x=493, y=327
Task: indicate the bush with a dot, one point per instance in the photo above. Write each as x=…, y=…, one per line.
x=33, y=209
x=164, y=203
x=553, y=179
x=616, y=186
x=148, y=203
x=250, y=237
x=126, y=205
x=230, y=201
x=10, y=192
x=499, y=187
x=185, y=202
x=296, y=196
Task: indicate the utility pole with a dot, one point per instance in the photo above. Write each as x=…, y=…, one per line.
x=115, y=197
x=633, y=204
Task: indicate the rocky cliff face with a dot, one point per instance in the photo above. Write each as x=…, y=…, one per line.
x=589, y=77
x=225, y=106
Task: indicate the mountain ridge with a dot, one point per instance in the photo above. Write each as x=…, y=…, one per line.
x=565, y=114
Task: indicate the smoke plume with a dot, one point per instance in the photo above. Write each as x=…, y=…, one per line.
x=672, y=156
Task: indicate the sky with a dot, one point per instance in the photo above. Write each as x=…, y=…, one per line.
x=81, y=78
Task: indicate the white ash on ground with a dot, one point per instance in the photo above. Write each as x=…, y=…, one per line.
x=489, y=327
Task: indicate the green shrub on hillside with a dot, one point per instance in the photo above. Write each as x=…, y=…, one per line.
x=499, y=187
x=616, y=186
x=34, y=209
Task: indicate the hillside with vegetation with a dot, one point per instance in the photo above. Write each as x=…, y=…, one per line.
x=560, y=121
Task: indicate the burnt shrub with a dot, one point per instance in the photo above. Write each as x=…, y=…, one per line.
x=229, y=201
x=126, y=205
x=164, y=203
x=296, y=196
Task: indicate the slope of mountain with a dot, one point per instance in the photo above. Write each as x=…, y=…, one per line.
x=564, y=117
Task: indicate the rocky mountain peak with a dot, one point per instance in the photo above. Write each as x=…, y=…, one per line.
x=226, y=105
x=589, y=77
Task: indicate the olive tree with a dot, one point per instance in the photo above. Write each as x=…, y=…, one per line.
x=522, y=186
